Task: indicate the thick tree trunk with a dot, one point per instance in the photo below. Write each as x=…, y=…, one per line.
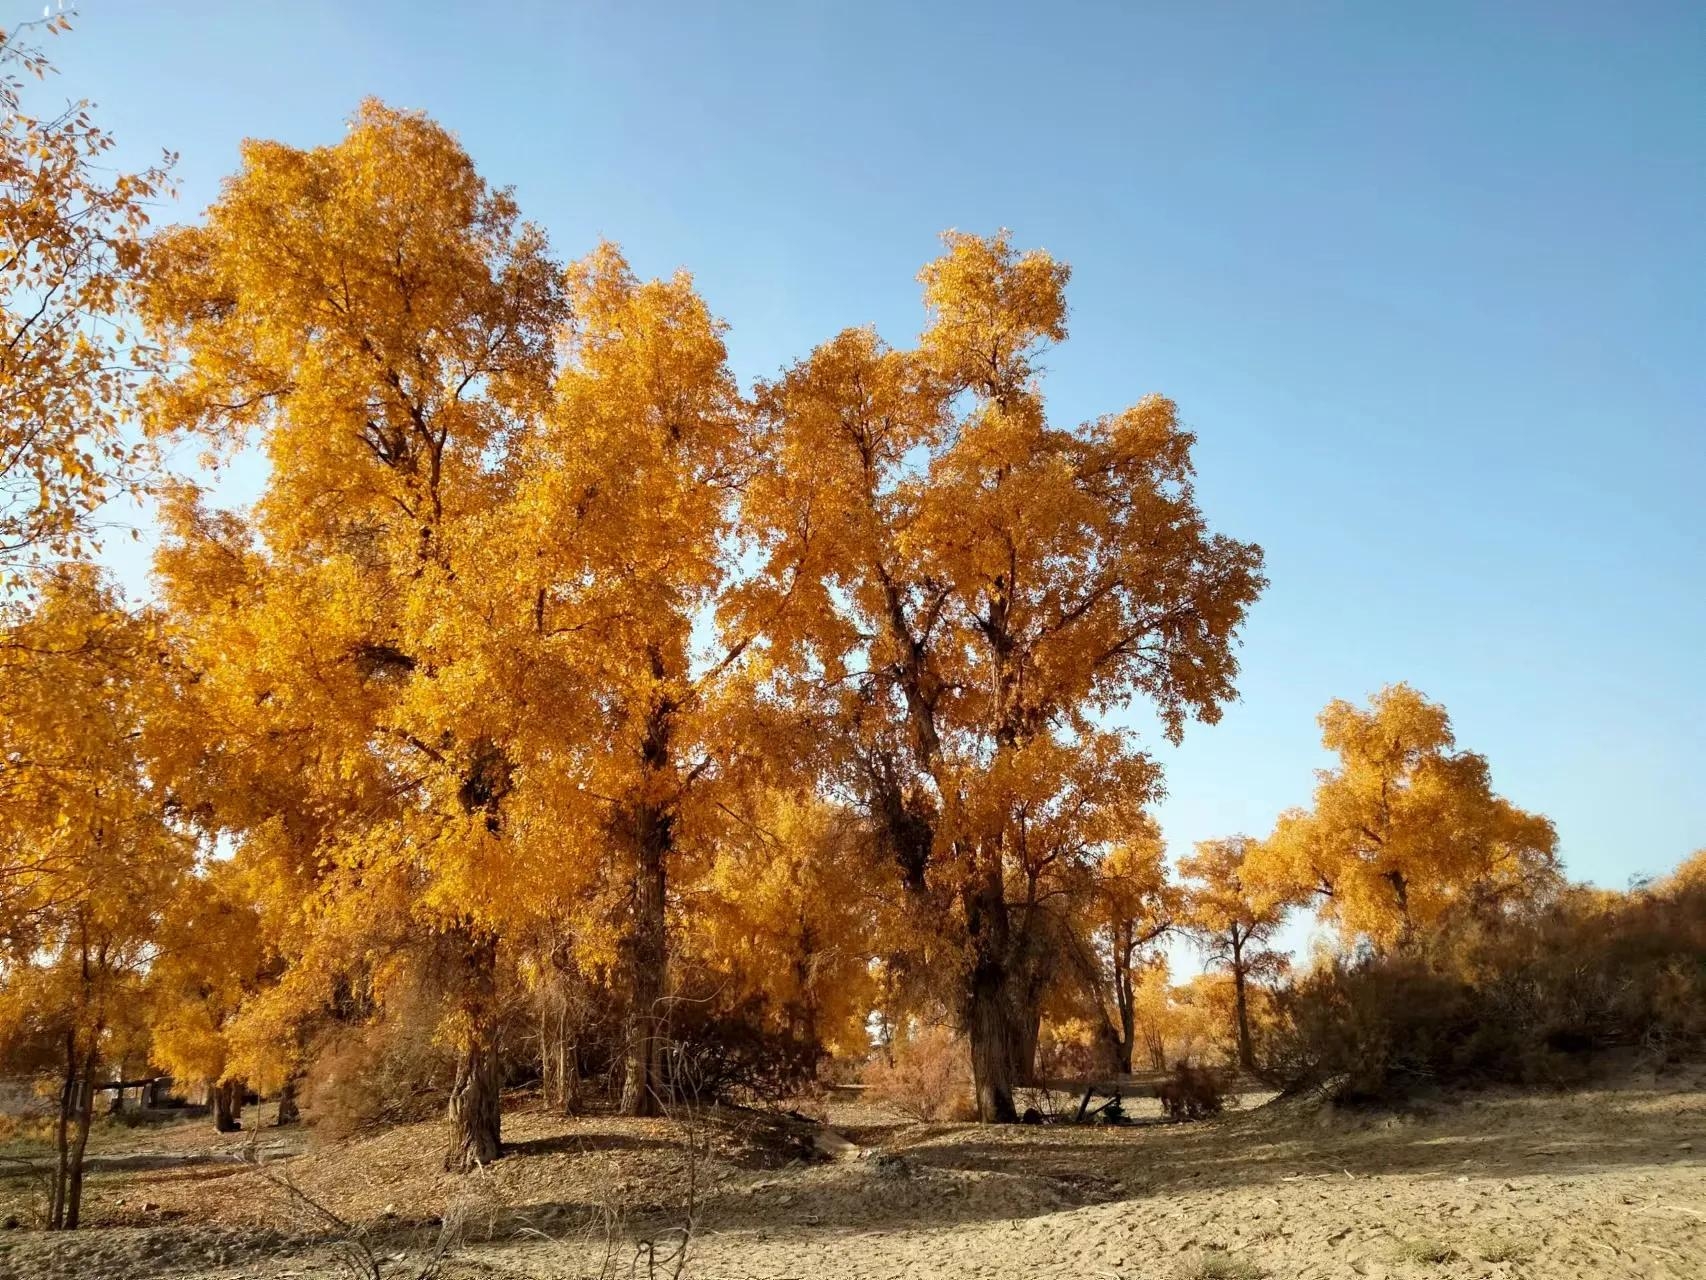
x=226, y=1101
x=991, y=1012
x=288, y=1110
x=990, y=1028
x=1107, y=1049
x=1401, y=899
x=643, y=1086
x=1027, y=1031
x=475, y=1107
x=1125, y=996
x=559, y=1062
x=476, y=1120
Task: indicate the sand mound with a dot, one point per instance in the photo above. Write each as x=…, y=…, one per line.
x=1608, y=1182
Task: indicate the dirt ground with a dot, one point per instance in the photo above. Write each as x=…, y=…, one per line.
x=1603, y=1182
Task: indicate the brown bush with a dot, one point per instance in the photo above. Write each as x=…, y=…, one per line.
x=736, y=1053
x=390, y=1070
x=928, y=1077
x=360, y=1080
x=1192, y=1093
x=1514, y=999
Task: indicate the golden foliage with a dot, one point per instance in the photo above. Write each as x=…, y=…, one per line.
x=790, y=903
x=70, y=238
x=961, y=588
x=549, y=660
x=86, y=852
x=1406, y=828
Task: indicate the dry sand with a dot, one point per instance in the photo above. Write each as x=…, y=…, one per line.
x=1603, y=1182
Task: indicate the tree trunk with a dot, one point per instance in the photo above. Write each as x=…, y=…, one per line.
x=643, y=1087
x=559, y=1063
x=1027, y=1031
x=85, y=1110
x=226, y=1101
x=547, y=1056
x=568, y=1076
x=1246, y=1047
x=476, y=1119
x=991, y=1013
x=475, y=1107
x=1125, y=995
x=62, y=1136
x=288, y=1110
x=1401, y=898
x=1107, y=1050
x=991, y=1032
x=1155, y=1046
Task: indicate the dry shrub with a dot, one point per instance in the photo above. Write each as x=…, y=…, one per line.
x=1215, y=1264
x=392, y=1070
x=1504, y=999
x=927, y=1077
x=1070, y=1051
x=25, y=1130
x=1375, y=1027
x=362, y=1080
x=1424, y=1250
x=737, y=1052
x=1192, y=1093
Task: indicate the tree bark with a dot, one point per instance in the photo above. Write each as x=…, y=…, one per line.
x=990, y=1010
x=288, y=1110
x=1246, y=1048
x=476, y=1119
x=226, y=1101
x=1124, y=1045
x=559, y=1062
x=568, y=1076
x=1125, y=996
x=1027, y=1031
x=475, y=1107
x=62, y=1136
x=991, y=1032
x=85, y=1110
x=1107, y=1050
x=643, y=1085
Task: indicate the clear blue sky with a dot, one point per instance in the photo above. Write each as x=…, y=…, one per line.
x=1426, y=279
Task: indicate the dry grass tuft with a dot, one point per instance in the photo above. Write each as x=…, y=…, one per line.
x=1217, y=1264
x=1493, y=1248
x=1424, y=1249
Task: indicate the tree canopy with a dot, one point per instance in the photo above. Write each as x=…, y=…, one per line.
x=564, y=709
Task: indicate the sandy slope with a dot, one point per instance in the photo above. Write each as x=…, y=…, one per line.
x=1610, y=1182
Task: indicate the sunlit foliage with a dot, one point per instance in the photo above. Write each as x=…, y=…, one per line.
x=70, y=237
x=1406, y=828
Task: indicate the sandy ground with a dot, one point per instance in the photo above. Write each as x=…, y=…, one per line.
x=1603, y=1182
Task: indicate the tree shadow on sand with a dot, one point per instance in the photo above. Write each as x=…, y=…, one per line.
x=585, y=1143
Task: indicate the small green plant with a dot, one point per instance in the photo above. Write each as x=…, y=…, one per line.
x=1424, y=1249
x=1217, y=1264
